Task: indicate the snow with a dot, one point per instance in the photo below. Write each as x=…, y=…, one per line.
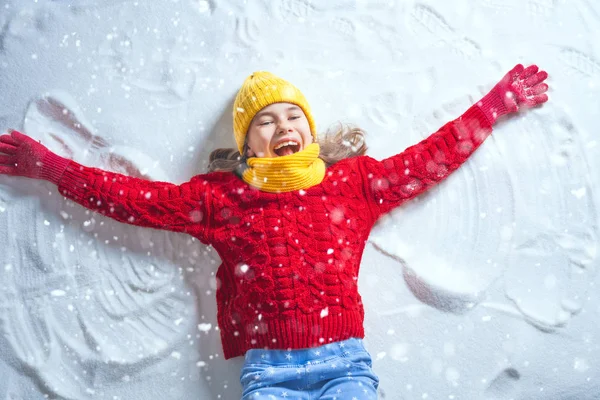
x=483, y=288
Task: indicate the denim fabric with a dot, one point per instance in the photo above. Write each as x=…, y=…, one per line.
x=335, y=371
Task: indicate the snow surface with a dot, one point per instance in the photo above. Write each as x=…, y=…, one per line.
x=483, y=288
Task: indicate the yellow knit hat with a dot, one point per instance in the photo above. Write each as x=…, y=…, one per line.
x=259, y=90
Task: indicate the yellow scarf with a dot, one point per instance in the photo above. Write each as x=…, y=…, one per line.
x=297, y=171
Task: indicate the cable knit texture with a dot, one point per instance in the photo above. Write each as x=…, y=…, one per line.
x=290, y=261
x=493, y=105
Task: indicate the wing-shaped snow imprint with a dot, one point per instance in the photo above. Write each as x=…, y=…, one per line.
x=556, y=241
x=451, y=266
x=98, y=298
x=491, y=223
x=58, y=121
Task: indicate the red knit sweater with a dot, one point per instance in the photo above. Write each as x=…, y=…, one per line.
x=290, y=261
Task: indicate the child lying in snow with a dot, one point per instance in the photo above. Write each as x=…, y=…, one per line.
x=289, y=215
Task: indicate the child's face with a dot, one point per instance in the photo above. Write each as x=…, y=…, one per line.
x=277, y=124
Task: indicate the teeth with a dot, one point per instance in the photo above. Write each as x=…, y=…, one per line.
x=290, y=143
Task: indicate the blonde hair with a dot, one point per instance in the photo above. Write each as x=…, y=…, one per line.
x=345, y=141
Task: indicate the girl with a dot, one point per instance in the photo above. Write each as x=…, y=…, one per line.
x=289, y=216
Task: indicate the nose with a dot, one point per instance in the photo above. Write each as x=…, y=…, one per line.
x=284, y=127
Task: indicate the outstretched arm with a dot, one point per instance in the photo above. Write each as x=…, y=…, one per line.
x=403, y=176
x=160, y=205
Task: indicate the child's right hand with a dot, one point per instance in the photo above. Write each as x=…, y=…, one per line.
x=20, y=155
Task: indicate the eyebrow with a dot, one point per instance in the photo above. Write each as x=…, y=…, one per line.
x=260, y=114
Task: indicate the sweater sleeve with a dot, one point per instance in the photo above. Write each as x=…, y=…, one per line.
x=394, y=180
x=161, y=205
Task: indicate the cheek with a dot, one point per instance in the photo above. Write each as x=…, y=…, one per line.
x=307, y=133
x=259, y=138
x=304, y=127
x=265, y=137
x=308, y=128
x=254, y=135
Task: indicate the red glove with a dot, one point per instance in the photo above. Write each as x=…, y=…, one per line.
x=20, y=155
x=520, y=88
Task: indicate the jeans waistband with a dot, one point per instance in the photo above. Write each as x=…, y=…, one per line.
x=300, y=356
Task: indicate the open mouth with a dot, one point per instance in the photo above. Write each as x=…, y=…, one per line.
x=287, y=148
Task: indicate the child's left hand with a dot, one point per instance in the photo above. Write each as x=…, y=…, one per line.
x=520, y=88
x=523, y=87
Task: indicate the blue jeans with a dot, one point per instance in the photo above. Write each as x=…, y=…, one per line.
x=335, y=371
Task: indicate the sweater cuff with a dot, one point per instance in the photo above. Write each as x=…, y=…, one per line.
x=492, y=105
x=53, y=167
